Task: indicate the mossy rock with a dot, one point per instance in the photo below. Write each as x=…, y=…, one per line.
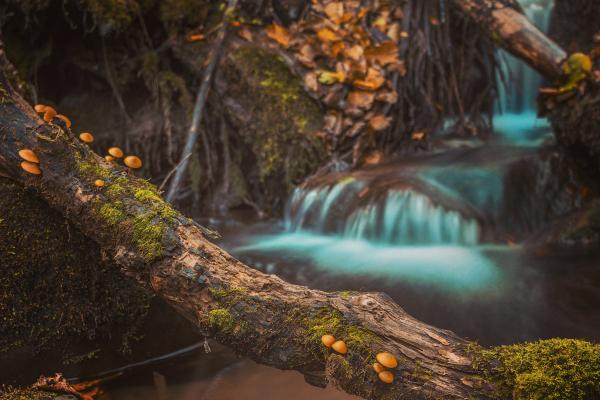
x=555, y=369
x=275, y=119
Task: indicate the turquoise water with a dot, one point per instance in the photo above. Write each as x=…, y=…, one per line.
x=451, y=268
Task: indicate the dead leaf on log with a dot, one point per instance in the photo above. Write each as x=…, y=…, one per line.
x=279, y=34
x=388, y=97
x=379, y=122
x=245, y=34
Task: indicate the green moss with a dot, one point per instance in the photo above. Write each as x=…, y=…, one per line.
x=284, y=118
x=148, y=236
x=116, y=14
x=111, y=214
x=91, y=170
x=145, y=195
x=114, y=190
x=556, y=369
x=224, y=321
x=228, y=296
x=8, y=393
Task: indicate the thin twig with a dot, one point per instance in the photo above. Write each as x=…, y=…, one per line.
x=164, y=182
x=194, y=130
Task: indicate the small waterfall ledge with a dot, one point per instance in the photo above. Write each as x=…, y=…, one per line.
x=399, y=217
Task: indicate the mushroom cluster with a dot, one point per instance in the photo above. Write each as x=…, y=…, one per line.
x=385, y=360
x=31, y=161
x=338, y=346
x=50, y=113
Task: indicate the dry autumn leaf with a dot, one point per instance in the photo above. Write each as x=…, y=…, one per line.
x=279, y=34
x=335, y=12
x=326, y=35
x=373, y=81
x=379, y=122
x=388, y=97
x=355, y=52
x=361, y=99
x=330, y=77
x=383, y=54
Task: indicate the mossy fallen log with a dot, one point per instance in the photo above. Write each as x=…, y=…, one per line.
x=258, y=315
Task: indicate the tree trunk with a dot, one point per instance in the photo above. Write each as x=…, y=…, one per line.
x=516, y=34
x=258, y=315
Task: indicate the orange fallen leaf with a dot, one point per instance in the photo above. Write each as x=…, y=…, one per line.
x=384, y=53
x=335, y=12
x=379, y=122
x=361, y=99
x=373, y=81
x=355, y=52
x=326, y=35
x=279, y=34
x=388, y=97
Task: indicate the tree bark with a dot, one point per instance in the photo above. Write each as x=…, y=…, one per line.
x=258, y=315
x=516, y=34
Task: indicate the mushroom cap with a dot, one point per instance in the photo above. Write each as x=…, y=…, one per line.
x=31, y=168
x=99, y=183
x=49, y=114
x=378, y=367
x=109, y=158
x=328, y=340
x=86, y=137
x=386, y=359
x=29, y=155
x=66, y=120
x=340, y=347
x=133, y=162
x=386, y=377
x=115, y=152
x=40, y=108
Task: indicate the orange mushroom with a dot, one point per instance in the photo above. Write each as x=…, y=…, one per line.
x=340, y=347
x=86, y=137
x=378, y=367
x=29, y=155
x=49, y=114
x=387, y=360
x=133, y=162
x=99, y=183
x=109, y=158
x=328, y=340
x=115, y=152
x=40, y=108
x=386, y=377
x=30, y=167
x=66, y=120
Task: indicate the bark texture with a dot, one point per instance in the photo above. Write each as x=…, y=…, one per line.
x=258, y=315
x=516, y=34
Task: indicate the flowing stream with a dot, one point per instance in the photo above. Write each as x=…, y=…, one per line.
x=444, y=234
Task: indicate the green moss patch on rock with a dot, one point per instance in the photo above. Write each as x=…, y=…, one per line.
x=274, y=117
x=555, y=369
x=8, y=393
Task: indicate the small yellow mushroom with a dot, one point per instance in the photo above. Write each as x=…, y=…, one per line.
x=386, y=377
x=99, y=183
x=31, y=168
x=40, y=108
x=109, y=158
x=29, y=155
x=340, y=347
x=387, y=360
x=65, y=119
x=378, y=367
x=328, y=340
x=49, y=114
x=133, y=162
x=115, y=152
x=86, y=137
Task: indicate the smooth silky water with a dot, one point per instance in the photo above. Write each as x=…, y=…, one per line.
x=440, y=234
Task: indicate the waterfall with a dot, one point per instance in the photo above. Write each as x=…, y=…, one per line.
x=519, y=95
x=399, y=217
